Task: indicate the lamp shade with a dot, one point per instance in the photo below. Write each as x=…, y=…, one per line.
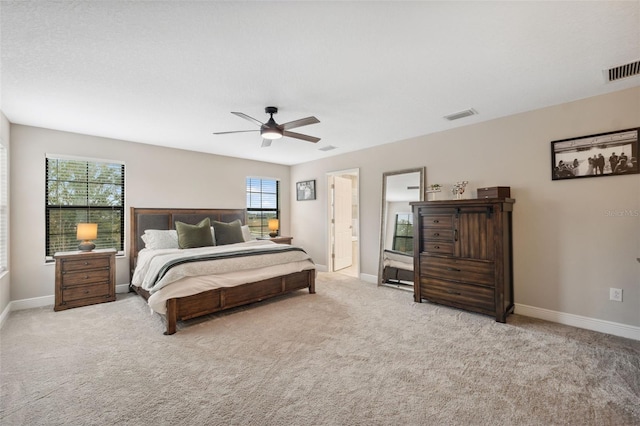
x=87, y=232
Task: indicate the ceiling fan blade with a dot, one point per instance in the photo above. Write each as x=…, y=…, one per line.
x=266, y=143
x=246, y=117
x=300, y=136
x=299, y=123
x=235, y=131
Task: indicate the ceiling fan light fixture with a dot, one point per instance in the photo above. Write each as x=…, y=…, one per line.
x=267, y=133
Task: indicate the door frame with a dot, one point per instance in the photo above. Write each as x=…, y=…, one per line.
x=330, y=231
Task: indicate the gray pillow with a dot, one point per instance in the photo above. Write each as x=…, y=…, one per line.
x=228, y=233
x=192, y=236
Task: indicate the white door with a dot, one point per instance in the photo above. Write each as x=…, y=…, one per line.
x=343, y=253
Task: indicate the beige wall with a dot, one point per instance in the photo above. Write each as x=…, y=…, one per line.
x=5, y=279
x=569, y=244
x=155, y=177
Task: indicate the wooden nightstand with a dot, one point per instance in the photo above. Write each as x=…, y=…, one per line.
x=84, y=278
x=279, y=239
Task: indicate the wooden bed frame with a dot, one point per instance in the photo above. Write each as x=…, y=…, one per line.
x=183, y=308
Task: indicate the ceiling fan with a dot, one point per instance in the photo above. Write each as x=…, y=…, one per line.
x=272, y=130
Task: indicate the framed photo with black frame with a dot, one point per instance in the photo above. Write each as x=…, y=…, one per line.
x=602, y=154
x=306, y=190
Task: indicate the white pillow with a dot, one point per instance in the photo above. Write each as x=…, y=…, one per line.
x=160, y=239
x=246, y=233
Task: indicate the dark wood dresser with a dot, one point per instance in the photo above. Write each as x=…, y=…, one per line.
x=463, y=254
x=84, y=278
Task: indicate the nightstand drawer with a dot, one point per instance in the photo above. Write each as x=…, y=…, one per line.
x=83, y=264
x=85, y=277
x=85, y=292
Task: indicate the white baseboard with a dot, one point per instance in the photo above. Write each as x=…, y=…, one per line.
x=368, y=278
x=5, y=314
x=608, y=327
x=34, y=302
x=122, y=288
x=321, y=268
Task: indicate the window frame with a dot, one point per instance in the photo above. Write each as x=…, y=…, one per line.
x=88, y=207
x=408, y=239
x=263, y=212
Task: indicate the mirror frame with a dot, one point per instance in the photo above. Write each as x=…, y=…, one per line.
x=383, y=215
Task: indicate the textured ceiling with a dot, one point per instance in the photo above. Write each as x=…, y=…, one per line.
x=170, y=73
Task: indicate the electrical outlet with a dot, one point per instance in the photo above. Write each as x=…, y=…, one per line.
x=615, y=294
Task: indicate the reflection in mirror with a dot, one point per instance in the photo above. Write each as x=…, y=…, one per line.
x=399, y=188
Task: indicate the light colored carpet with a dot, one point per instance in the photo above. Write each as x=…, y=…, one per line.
x=352, y=354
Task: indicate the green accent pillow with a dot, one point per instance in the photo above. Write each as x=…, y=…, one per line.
x=228, y=233
x=192, y=236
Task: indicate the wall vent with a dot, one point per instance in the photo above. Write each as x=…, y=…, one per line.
x=327, y=148
x=622, y=71
x=461, y=114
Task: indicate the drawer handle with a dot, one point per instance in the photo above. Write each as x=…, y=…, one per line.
x=436, y=234
x=457, y=293
x=86, y=292
x=455, y=235
x=454, y=269
x=86, y=263
x=436, y=221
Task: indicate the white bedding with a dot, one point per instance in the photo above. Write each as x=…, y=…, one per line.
x=192, y=278
x=398, y=260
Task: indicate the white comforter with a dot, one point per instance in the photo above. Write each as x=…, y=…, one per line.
x=192, y=278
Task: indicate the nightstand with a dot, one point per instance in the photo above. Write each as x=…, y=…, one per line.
x=84, y=278
x=279, y=239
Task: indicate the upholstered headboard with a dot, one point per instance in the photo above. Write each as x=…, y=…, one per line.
x=156, y=218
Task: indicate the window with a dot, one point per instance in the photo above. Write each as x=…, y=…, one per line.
x=263, y=203
x=4, y=209
x=403, y=233
x=80, y=191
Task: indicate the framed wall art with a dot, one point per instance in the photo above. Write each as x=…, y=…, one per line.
x=603, y=154
x=306, y=190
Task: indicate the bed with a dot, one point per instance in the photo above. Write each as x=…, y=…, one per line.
x=190, y=295
x=398, y=266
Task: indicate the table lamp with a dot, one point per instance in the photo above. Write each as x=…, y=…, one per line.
x=274, y=224
x=87, y=232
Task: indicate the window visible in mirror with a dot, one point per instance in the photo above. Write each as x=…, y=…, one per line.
x=403, y=233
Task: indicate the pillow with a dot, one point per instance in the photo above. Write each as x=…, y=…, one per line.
x=228, y=233
x=160, y=239
x=192, y=236
x=246, y=233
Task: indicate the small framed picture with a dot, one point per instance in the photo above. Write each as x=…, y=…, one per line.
x=306, y=190
x=603, y=154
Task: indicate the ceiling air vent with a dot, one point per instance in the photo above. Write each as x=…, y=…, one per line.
x=327, y=148
x=622, y=71
x=461, y=114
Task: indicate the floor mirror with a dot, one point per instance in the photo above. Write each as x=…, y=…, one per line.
x=399, y=188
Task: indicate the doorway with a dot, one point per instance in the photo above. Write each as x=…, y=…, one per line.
x=344, y=222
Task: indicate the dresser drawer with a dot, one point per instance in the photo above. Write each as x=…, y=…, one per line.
x=442, y=247
x=437, y=221
x=462, y=270
x=472, y=297
x=85, y=292
x=85, y=277
x=437, y=234
x=83, y=264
